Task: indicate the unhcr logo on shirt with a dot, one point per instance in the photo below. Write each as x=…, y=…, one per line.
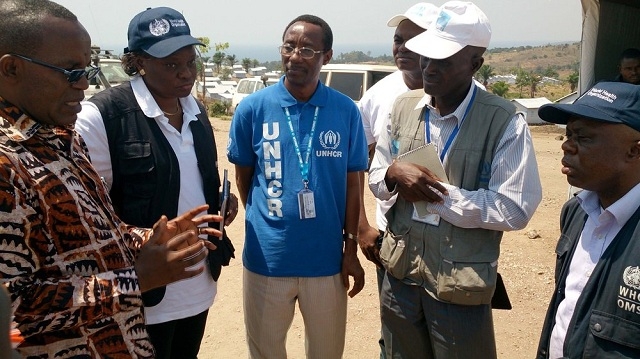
x=329, y=141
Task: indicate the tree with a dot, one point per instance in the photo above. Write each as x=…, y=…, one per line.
x=219, y=56
x=500, y=88
x=550, y=72
x=573, y=79
x=246, y=64
x=522, y=79
x=221, y=46
x=231, y=60
x=353, y=57
x=255, y=63
x=201, y=49
x=226, y=73
x=485, y=72
x=218, y=59
x=534, y=80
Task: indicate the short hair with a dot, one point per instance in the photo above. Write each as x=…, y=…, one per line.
x=129, y=60
x=327, y=34
x=21, y=27
x=630, y=53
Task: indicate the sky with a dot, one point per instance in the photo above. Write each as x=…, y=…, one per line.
x=254, y=28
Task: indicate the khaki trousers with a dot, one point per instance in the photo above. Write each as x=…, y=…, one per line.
x=269, y=306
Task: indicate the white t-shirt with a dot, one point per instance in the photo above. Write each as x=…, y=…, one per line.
x=375, y=109
x=187, y=297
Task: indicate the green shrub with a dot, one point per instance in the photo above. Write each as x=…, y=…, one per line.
x=218, y=108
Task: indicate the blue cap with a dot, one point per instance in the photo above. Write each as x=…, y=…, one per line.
x=159, y=32
x=612, y=102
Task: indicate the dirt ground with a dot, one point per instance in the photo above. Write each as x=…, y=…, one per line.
x=526, y=264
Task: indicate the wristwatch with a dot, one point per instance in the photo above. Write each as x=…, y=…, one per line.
x=350, y=236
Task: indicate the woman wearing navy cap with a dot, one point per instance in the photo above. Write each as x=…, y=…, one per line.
x=153, y=144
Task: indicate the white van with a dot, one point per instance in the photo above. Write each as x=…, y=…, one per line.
x=248, y=86
x=350, y=79
x=353, y=79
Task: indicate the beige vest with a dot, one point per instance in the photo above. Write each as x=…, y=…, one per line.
x=454, y=264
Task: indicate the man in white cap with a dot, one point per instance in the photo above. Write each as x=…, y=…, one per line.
x=375, y=109
x=441, y=267
x=594, y=310
x=375, y=105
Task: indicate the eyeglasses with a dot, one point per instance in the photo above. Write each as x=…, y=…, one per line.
x=73, y=76
x=304, y=52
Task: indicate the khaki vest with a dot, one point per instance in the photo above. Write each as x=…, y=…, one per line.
x=454, y=264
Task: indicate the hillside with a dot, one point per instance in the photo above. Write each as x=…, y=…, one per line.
x=557, y=61
x=563, y=58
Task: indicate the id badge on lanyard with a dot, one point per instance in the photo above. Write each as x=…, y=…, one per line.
x=306, y=201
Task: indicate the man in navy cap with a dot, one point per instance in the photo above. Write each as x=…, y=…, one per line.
x=595, y=308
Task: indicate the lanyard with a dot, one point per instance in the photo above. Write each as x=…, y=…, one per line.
x=455, y=130
x=304, y=166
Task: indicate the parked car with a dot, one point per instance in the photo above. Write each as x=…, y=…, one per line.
x=350, y=79
x=353, y=79
x=247, y=86
x=111, y=71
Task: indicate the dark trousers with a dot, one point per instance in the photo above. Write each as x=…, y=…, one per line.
x=379, y=278
x=421, y=327
x=383, y=329
x=178, y=339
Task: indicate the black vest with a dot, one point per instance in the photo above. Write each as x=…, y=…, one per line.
x=606, y=320
x=146, y=178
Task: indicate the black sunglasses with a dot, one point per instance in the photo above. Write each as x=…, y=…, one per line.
x=73, y=76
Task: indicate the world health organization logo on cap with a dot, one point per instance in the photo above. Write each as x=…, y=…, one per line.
x=159, y=27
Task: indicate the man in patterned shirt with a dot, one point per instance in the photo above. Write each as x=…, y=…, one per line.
x=75, y=272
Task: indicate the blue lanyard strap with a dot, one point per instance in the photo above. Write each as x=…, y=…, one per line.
x=455, y=130
x=304, y=165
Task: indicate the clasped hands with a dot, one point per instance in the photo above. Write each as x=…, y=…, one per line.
x=175, y=248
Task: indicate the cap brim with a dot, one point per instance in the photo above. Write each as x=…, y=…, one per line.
x=429, y=44
x=396, y=20
x=168, y=46
x=560, y=113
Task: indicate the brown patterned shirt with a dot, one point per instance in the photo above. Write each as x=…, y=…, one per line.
x=65, y=257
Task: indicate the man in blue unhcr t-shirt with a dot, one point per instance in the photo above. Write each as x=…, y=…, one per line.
x=297, y=147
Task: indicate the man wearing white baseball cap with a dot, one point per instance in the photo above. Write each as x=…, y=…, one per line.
x=375, y=109
x=441, y=267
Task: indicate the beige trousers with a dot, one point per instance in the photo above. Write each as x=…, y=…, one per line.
x=269, y=305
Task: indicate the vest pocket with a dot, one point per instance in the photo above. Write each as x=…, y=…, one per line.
x=612, y=334
x=136, y=167
x=394, y=254
x=136, y=179
x=466, y=283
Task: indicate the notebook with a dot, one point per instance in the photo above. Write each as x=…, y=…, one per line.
x=426, y=156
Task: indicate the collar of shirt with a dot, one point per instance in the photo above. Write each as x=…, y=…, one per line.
x=458, y=113
x=621, y=209
x=18, y=126
x=150, y=107
x=318, y=99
